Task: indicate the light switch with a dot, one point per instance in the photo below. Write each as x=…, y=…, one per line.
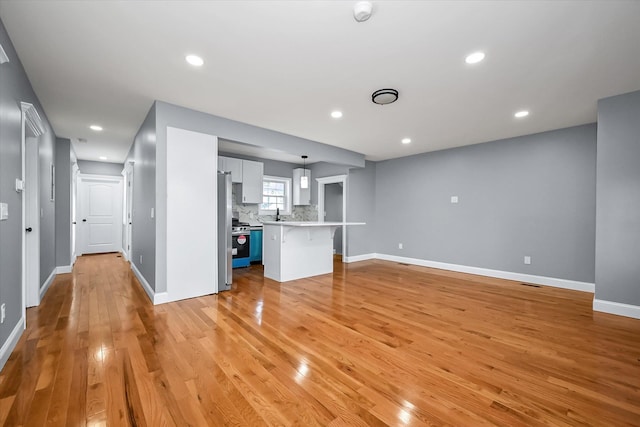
x=4, y=211
x=454, y=199
x=19, y=185
x=153, y=212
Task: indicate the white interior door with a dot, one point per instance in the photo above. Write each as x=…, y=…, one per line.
x=32, y=224
x=100, y=219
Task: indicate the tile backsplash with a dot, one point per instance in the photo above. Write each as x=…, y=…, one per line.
x=249, y=213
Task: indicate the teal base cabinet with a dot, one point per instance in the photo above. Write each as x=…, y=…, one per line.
x=255, y=246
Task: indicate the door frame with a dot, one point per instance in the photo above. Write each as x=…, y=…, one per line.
x=80, y=231
x=75, y=172
x=127, y=211
x=31, y=127
x=321, y=211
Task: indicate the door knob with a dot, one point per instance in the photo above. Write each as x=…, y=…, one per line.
x=84, y=220
x=74, y=223
x=28, y=230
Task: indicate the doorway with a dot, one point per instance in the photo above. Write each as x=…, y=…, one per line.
x=334, y=207
x=99, y=214
x=32, y=129
x=333, y=211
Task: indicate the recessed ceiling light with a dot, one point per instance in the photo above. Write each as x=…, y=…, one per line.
x=474, y=58
x=336, y=114
x=406, y=140
x=194, y=60
x=521, y=114
x=96, y=128
x=102, y=158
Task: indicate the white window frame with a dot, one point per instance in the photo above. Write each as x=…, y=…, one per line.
x=288, y=194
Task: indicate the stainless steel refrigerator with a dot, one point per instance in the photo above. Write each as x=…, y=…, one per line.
x=225, y=272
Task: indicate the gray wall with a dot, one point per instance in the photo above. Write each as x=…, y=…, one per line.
x=333, y=208
x=64, y=157
x=184, y=118
x=14, y=88
x=143, y=237
x=100, y=168
x=361, y=205
x=533, y=195
x=618, y=206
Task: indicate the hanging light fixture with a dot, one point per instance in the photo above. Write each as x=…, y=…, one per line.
x=304, y=180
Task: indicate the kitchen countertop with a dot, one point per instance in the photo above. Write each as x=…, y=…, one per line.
x=311, y=223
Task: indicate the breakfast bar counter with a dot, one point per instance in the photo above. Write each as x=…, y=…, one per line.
x=294, y=250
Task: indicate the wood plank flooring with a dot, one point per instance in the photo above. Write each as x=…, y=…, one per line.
x=376, y=343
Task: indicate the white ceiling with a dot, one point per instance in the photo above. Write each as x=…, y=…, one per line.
x=285, y=65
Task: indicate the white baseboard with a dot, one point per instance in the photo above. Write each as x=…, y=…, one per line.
x=521, y=277
x=617, y=308
x=145, y=285
x=47, y=283
x=11, y=342
x=155, y=297
x=64, y=269
x=357, y=258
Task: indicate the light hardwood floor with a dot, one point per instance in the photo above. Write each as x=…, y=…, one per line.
x=376, y=343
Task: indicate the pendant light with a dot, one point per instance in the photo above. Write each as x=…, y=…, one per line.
x=304, y=180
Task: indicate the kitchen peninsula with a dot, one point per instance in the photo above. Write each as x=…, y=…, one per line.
x=294, y=250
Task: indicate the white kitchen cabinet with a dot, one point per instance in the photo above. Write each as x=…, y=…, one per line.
x=252, y=173
x=229, y=164
x=301, y=196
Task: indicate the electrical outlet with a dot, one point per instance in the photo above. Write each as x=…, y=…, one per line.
x=454, y=199
x=2, y=313
x=527, y=259
x=399, y=245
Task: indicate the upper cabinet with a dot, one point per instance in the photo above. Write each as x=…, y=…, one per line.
x=252, y=173
x=301, y=196
x=229, y=164
x=245, y=172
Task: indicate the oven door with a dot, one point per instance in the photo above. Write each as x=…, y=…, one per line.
x=241, y=245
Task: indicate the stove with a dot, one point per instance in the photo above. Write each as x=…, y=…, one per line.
x=238, y=227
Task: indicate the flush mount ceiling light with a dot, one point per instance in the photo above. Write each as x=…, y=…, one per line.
x=406, y=140
x=336, y=114
x=304, y=180
x=362, y=10
x=96, y=128
x=474, y=58
x=384, y=96
x=194, y=60
x=102, y=158
x=521, y=114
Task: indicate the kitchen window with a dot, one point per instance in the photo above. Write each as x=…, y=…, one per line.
x=276, y=193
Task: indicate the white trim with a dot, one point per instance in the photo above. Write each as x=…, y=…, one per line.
x=47, y=283
x=527, y=278
x=145, y=285
x=617, y=308
x=11, y=342
x=64, y=269
x=156, y=298
x=356, y=258
x=3, y=55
